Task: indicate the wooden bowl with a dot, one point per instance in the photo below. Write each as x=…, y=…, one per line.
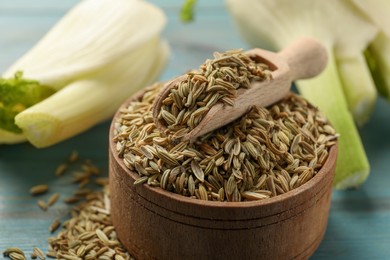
x=153, y=223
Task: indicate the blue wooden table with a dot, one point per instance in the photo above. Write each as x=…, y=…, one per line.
x=359, y=221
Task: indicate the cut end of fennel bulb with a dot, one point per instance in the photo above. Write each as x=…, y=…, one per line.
x=353, y=181
x=362, y=111
x=38, y=126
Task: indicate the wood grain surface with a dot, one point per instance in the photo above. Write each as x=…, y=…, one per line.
x=359, y=221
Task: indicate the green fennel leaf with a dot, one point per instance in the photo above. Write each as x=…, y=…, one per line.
x=17, y=94
x=187, y=11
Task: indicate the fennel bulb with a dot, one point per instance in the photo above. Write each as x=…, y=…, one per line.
x=275, y=23
x=97, y=55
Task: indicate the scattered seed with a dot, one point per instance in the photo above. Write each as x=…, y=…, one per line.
x=73, y=157
x=53, y=199
x=54, y=225
x=72, y=200
x=51, y=254
x=84, y=235
x=119, y=257
x=10, y=250
x=84, y=183
x=68, y=256
x=39, y=253
x=102, y=251
x=101, y=181
x=102, y=236
x=39, y=189
x=61, y=169
x=42, y=204
x=16, y=256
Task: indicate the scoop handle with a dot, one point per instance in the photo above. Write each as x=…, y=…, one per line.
x=306, y=58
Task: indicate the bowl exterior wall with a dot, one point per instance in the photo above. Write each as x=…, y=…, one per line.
x=291, y=228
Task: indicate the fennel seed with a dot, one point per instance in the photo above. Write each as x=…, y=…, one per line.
x=39, y=189
x=42, y=204
x=13, y=252
x=51, y=254
x=54, y=225
x=72, y=199
x=38, y=253
x=17, y=256
x=73, y=157
x=61, y=169
x=53, y=199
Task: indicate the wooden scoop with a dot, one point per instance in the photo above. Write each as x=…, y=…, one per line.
x=302, y=59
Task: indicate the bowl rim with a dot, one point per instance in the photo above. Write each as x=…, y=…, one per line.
x=326, y=170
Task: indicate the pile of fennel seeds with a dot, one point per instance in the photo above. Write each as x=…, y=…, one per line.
x=216, y=81
x=266, y=152
x=87, y=232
